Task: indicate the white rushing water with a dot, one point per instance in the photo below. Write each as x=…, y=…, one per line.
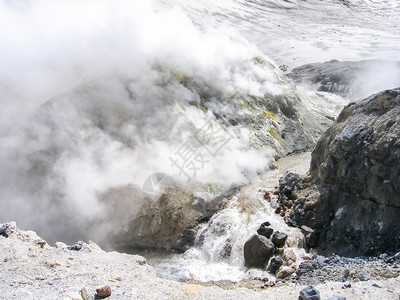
x=219, y=255
x=95, y=98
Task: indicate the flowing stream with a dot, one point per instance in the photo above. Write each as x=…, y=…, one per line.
x=229, y=229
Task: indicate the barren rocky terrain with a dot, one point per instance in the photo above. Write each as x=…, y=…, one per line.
x=32, y=269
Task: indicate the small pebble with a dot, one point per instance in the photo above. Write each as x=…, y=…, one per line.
x=76, y=247
x=377, y=285
x=346, y=285
x=84, y=294
x=103, y=292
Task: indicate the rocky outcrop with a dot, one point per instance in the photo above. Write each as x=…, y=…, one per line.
x=333, y=76
x=170, y=222
x=352, y=197
x=348, y=78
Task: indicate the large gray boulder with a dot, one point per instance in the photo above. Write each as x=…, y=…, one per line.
x=352, y=197
x=257, y=251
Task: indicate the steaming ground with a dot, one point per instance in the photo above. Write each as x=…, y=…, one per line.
x=300, y=32
x=117, y=110
x=95, y=97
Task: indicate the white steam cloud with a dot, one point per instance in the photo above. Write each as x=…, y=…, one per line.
x=94, y=99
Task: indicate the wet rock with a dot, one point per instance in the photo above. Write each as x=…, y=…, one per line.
x=274, y=264
x=265, y=231
x=178, y=214
x=279, y=239
x=186, y=240
x=309, y=293
x=257, y=251
x=76, y=247
x=103, y=292
x=285, y=272
x=226, y=250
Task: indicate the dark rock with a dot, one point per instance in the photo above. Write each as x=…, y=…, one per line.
x=274, y=264
x=103, y=292
x=265, y=224
x=186, y=240
x=352, y=196
x=279, y=239
x=288, y=182
x=309, y=293
x=346, y=285
x=393, y=258
x=3, y=230
x=76, y=247
x=265, y=231
x=306, y=268
x=337, y=298
x=310, y=235
x=257, y=251
x=226, y=250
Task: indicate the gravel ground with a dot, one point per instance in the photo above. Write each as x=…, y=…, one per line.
x=31, y=269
